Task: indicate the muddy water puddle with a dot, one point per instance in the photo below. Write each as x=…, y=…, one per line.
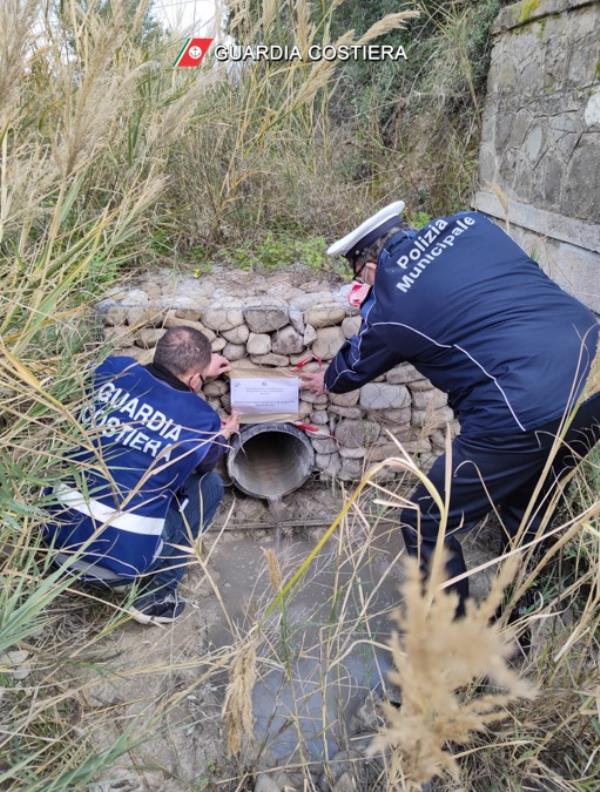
x=324, y=650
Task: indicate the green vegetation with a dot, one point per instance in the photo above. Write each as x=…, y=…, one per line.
x=275, y=250
x=527, y=9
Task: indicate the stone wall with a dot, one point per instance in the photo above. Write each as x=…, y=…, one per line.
x=541, y=137
x=275, y=322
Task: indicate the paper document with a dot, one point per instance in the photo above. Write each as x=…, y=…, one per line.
x=265, y=394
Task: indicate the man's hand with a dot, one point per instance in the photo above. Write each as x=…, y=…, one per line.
x=313, y=381
x=218, y=365
x=230, y=425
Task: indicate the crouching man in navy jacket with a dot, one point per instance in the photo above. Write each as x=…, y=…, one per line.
x=146, y=486
x=473, y=313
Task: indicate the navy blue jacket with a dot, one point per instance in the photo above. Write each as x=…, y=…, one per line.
x=145, y=439
x=472, y=312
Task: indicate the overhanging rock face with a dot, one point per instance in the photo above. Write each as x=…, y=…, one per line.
x=540, y=148
x=274, y=322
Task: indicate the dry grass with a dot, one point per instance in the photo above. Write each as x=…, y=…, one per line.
x=237, y=708
x=436, y=660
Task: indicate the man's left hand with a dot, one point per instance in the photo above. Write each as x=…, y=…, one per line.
x=218, y=365
x=230, y=425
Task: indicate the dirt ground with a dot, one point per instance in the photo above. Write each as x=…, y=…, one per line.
x=166, y=685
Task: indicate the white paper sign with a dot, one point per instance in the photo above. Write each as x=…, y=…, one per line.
x=265, y=394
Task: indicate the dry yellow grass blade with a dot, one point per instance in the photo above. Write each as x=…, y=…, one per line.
x=237, y=708
x=385, y=25
x=269, y=13
x=437, y=657
x=273, y=568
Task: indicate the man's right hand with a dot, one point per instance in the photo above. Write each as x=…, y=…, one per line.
x=230, y=425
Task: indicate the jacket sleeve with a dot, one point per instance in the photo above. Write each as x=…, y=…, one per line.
x=216, y=445
x=361, y=359
x=215, y=451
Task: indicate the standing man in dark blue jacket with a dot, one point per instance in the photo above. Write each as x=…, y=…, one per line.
x=143, y=487
x=475, y=315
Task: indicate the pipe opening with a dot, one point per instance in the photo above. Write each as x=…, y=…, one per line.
x=270, y=460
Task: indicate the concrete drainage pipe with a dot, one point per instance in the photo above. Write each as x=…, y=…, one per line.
x=270, y=460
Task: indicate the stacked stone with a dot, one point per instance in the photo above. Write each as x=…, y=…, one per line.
x=351, y=430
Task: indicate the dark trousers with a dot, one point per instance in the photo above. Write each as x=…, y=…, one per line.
x=495, y=471
x=189, y=515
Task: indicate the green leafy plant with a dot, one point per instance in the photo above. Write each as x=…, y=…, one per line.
x=278, y=250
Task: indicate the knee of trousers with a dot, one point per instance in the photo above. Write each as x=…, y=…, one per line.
x=211, y=486
x=417, y=529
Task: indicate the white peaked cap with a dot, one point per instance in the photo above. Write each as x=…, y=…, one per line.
x=368, y=232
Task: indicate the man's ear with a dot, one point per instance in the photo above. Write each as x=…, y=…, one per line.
x=195, y=381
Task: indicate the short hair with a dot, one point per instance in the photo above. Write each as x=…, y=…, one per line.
x=181, y=349
x=371, y=252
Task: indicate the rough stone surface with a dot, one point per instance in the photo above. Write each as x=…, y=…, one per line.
x=349, y=399
x=223, y=317
x=287, y=341
x=234, y=351
x=352, y=453
x=419, y=385
x=433, y=398
x=270, y=360
x=218, y=344
x=355, y=434
x=189, y=307
x=194, y=313
x=306, y=301
x=325, y=315
x=134, y=297
x=351, y=326
x=238, y=335
x=326, y=445
x=297, y=320
x=314, y=399
x=397, y=417
x=403, y=374
x=140, y=355
x=266, y=316
x=148, y=337
x=258, y=344
x=304, y=409
x=328, y=464
x=113, y=315
x=143, y=315
x=432, y=419
x=174, y=321
x=215, y=388
x=329, y=340
x=310, y=335
x=383, y=396
x=540, y=138
x=438, y=440
x=346, y=412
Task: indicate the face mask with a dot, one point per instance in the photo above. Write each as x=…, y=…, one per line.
x=358, y=293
